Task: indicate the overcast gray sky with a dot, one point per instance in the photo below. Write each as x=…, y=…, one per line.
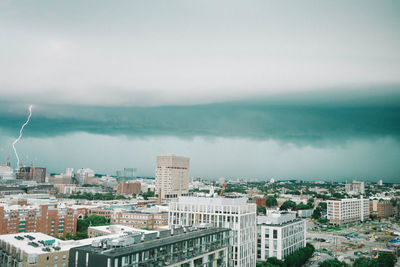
x=248, y=89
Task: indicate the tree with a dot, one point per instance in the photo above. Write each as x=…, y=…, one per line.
x=310, y=202
x=316, y=213
x=261, y=210
x=386, y=260
x=288, y=205
x=299, y=257
x=323, y=205
x=271, y=202
x=302, y=206
x=333, y=263
x=275, y=262
x=363, y=262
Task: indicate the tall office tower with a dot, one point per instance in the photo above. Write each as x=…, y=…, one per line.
x=172, y=176
x=355, y=188
x=348, y=210
x=233, y=213
x=279, y=235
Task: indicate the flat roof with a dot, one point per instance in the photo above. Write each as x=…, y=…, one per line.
x=64, y=245
x=151, y=241
x=117, y=228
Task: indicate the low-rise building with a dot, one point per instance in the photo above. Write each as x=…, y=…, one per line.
x=150, y=218
x=34, y=250
x=48, y=219
x=128, y=188
x=279, y=235
x=381, y=208
x=176, y=247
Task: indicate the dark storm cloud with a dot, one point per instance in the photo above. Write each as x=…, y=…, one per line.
x=306, y=118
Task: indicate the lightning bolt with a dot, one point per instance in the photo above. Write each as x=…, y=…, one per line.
x=20, y=135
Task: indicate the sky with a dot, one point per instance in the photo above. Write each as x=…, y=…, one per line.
x=256, y=89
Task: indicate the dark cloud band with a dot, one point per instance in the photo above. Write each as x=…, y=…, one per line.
x=303, y=119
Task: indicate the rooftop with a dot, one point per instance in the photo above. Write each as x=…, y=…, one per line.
x=278, y=218
x=221, y=201
x=138, y=242
x=31, y=243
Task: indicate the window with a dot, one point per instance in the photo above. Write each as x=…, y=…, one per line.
x=275, y=233
x=64, y=256
x=55, y=258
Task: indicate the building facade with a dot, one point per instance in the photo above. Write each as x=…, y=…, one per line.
x=233, y=213
x=47, y=219
x=381, y=208
x=279, y=235
x=37, y=174
x=172, y=176
x=129, y=188
x=175, y=247
x=355, y=188
x=33, y=250
x=140, y=219
x=349, y=210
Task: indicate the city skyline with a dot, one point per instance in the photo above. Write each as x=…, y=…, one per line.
x=246, y=90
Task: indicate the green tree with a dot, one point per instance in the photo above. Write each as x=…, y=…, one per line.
x=323, y=205
x=275, y=262
x=302, y=206
x=316, y=213
x=261, y=210
x=299, y=257
x=386, y=260
x=271, y=202
x=364, y=262
x=333, y=263
x=288, y=205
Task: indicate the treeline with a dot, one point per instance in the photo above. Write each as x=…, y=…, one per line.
x=384, y=260
x=296, y=259
x=96, y=196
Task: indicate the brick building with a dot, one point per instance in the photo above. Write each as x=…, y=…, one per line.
x=47, y=219
x=128, y=188
x=141, y=219
x=381, y=208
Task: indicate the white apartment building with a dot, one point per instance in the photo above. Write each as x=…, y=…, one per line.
x=349, y=210
x=279, y=235
x=355, y=188
x=172, y=176
x=232, y=213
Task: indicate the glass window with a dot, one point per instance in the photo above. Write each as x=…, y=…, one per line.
x=275, y=233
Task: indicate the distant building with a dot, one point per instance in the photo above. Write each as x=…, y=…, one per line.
x=355, y=188
x=129, y=188
x=6, y=172
x=175, y=247
x=381, y=208
x=261, y=201
x=349, y=210
x=279, y=235
x=380, y=182
x=150, y=218
x=172, y=176
x=233, y=213
x=37, y=174
x=83, y=173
